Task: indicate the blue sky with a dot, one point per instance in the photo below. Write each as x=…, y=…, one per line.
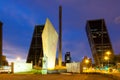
x=20, y=16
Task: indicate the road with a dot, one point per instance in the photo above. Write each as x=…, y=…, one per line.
x=54, y=77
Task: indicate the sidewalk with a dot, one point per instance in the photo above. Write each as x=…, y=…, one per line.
x=116, y=75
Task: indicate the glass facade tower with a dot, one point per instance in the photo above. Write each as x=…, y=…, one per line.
x=99, y=41
x=35, y=54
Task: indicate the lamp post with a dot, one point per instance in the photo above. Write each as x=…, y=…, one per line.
x=106, y=58
x=86, y=61
x=108, y=53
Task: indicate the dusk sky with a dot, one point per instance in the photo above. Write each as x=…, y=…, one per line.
x=20, y=16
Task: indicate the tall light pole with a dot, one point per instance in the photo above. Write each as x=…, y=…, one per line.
x=108, y=53
x=60, y=37
x=87, y=61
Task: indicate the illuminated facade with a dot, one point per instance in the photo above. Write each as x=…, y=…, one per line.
x=44, y=44
x=21, y=67
x=49, y=39
x=99, y=41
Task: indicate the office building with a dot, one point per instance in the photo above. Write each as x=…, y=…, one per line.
x=67, y=57
x=99, y=41
x=35, y=53
x=117, y=58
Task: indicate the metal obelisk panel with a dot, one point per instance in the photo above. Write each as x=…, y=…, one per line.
x=49, y=43
x=1, y=43
x=60, y=37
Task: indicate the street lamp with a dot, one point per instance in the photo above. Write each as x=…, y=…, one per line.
x=87, y=64
x=108, y=53
x=86, y=61
x=106, y=58
x=18, y=58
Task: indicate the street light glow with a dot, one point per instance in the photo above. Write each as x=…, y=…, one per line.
x=86, y=61
x=106, y=58
x=108, y=52
x=18, y=59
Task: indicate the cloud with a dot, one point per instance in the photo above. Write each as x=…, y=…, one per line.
x=117, y=20
x=12, y=52
x=78, y=49
x=18, y=15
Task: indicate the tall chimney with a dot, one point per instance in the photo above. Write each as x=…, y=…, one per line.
x=1, y=43
x=60, y=37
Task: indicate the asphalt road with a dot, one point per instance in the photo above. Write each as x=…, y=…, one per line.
x=54, y=77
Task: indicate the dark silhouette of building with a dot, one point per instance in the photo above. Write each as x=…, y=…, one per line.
x=67, y=57
x=1, y=43
x=99, y=42
x=117, y=58
x=3, y=61
x=35, y=54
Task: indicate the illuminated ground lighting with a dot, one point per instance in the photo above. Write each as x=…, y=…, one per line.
x=49, y=40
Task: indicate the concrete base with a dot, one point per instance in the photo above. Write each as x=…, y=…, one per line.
x=57, y=71
x=44, y=71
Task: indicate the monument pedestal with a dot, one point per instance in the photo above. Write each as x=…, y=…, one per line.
x=44, y=66
x=44, y=71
